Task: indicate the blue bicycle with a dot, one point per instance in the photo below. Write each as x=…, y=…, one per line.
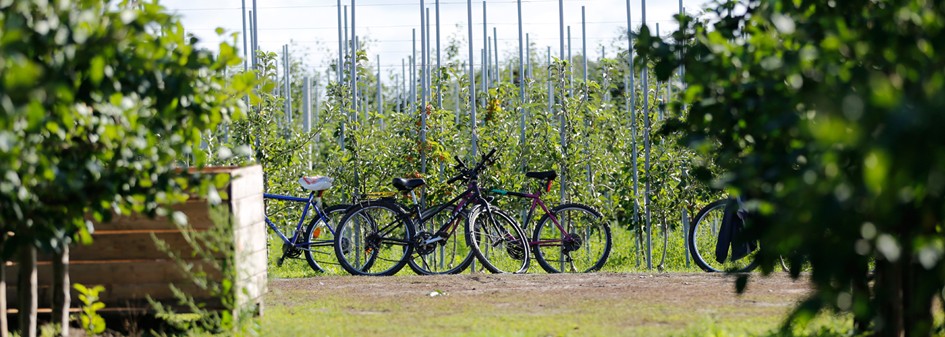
x=317, y=240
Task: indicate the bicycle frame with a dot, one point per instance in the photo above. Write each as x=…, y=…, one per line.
x=309, y=204
x=536, y=201
x=472, y=192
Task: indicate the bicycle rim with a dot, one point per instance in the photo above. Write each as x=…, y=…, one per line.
x=321, y=252
x=585, y=249
x=450, y=256
x=373, y=239
x=498, y=241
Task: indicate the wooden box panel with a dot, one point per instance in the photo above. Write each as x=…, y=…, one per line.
x=125, y=260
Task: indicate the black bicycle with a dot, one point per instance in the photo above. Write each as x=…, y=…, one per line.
x=391, y=235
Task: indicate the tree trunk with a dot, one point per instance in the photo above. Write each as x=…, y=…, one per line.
x=917, y=295
x=861, y=319
x=888, y=298
x=61, y=288
x=26, y=290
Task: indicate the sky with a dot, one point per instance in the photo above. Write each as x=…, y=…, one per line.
x=310, y=27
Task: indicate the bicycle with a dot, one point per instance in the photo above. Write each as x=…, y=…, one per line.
x=703, y=239
x=570, y=237
x=386, y=233
x=317, y=238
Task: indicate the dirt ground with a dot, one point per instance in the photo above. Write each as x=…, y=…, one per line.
x=593, y=304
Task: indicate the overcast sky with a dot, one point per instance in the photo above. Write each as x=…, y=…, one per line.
x=310, y=27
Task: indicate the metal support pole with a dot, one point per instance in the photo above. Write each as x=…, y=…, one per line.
x=485, y=50
x=317, y=108
x=472, y=82
x=423, y=92
x=380, y=97
x=354, y=64
x=521, y=85
x=570, y=67
x=439, y=86
x=245, y=49
x=347, y=45
x=255, y=15
x=341, y=41
x=646, y=156
x=307, y=116
x=495, y=50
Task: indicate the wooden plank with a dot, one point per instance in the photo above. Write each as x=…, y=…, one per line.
x=127, y=295
x=196, y=210
x=129, y=245
x=116, y=272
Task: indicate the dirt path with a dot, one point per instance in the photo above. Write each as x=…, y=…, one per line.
x=576, y=304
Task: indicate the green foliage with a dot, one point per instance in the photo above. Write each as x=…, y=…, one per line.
x=101, y=104
x=89, y=319
x=824, y=117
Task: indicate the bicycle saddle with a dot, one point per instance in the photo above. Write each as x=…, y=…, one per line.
x=316, y=183
x=542, y=175
x=408, y=184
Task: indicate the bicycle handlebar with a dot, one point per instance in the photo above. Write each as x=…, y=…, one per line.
x=465, y=173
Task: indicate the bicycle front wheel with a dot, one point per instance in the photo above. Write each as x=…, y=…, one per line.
x=497, y=240
x=374, y=239
x=704, y=236
x=320, y=233
x=581, y=244
x=448, y=256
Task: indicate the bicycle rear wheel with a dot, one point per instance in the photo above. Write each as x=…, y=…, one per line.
x=321, y=252
x=451, y=255
x=703, y=237
x=586, y=248
x=497, y=240
x=374, y=239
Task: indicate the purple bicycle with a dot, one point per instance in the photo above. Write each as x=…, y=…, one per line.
x=569, y=238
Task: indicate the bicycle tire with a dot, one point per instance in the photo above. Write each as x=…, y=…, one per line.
x=501, y=246
x=593, y=245
x=450, y=256
x=374, y=239
x=321, y=240
x=704, y=225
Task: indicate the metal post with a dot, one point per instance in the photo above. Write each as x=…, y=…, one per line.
x=403, y=88
x=317, y=108
x=341, y=60
x=307, y=115
x=485, y=50
x=528, y=57
x=584, y=49
x=633, y=118
x=439, y=86
x=423, y=92
x=380, y=98
x=413, y=72
x=346, y=44
x=428, y=59
x=495, y=49
x=472, y=82
x=521, y=85
x=488, y=68
x=255, y=15
x=245, y=50
x=551, y=94
x=354, y=64
x=646, y=156
x=570, y=67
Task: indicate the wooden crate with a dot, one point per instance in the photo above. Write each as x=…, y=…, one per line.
x=126, y=261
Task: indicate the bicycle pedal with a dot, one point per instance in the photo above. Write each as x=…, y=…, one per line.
x=280, y=261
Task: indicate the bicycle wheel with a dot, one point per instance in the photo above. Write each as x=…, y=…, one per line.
x=586, y=249
x=449, y=256
x=373, y=238
x=321, y=252
x=497, y=240
x=703, y=237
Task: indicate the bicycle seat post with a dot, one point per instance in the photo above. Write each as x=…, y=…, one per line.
x=318, y=198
